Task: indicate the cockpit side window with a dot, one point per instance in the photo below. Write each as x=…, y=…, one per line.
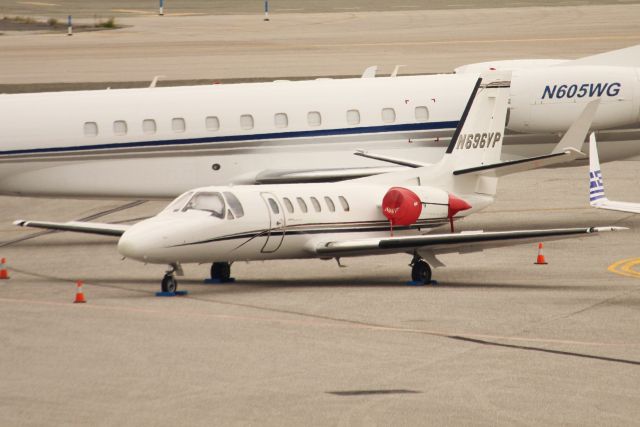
x=210, y=202
x=234, y=204
x=178, y=203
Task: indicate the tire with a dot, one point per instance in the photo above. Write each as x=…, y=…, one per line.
x=221, y=271
x=169, y=283
x=421, y=272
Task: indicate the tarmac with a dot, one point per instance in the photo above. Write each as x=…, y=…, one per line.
x=499, y=340
x=313, y=44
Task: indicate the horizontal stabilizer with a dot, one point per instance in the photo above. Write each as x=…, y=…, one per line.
x=627, y=57
x=77, y=226
x=389, y=159
x=453, y=242
x=514, y=166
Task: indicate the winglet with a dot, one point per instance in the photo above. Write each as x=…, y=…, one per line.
x=596, y=184
x=574, y=136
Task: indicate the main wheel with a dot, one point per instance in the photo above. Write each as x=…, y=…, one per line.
x=421, y=272
x=169, y=283
x=221, y=271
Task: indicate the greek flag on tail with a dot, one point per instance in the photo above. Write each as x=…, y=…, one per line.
x=596, y=185
x=596, y=189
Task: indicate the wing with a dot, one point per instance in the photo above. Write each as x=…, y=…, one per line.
x=297, y=176
x=77, y=226
x=453, y=242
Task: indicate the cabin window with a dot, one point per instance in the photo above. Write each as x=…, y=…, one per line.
x=344, y=203
x=274, y=206
x=120, y=127
x=302, y=204
x=246, y=121
x=234, y=204
x=212, y=123
x=209, y=202
x=314, y=118
x=388, y=115
x=281, y=120
x=422, y=114
x=316, y=204
x=90, y=129
x=178, y=124
x=149, y=126
x=330, y=204
x=288, y=204
x=353, y=117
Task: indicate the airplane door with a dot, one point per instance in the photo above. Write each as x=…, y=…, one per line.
x=275, y=234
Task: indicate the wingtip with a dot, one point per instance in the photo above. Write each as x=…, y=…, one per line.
x=608, y=228
x=19, y=222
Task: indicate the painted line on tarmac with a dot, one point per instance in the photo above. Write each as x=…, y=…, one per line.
x=485, y=41
x=626, y=267
x=37, y=3
x=312, y=320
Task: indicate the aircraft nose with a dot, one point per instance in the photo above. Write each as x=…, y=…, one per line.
x=131, y=245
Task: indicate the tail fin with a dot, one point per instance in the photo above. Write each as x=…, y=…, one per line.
x=478, y=138
x=596, y=184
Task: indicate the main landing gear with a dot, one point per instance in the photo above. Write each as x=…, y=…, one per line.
x=420, y=271
x=221, y=272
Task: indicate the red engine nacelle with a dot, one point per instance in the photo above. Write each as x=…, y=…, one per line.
x=401, y=206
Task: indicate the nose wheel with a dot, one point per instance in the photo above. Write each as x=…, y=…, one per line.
x=169, y=283
x=420, y=271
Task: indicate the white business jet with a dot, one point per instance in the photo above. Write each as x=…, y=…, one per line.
x=387, y=213
x=597, y=198
x=159, y=142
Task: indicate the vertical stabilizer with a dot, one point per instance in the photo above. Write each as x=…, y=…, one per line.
x=478, y=138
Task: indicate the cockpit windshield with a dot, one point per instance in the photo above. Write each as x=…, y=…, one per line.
x=207, y=201
x=178, y=203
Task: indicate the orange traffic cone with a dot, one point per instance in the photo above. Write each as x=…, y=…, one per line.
x=79, y=294
x=3, y=270
x=540, y=260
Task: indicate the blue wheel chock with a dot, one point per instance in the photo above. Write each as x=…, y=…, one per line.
x=418, y=283
x=219, y=281
x=172, y=294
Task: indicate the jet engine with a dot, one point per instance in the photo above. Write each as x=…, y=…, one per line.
x=401, y=206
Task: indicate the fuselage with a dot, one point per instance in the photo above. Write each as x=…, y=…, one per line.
x=275, y=221
x=159, y=142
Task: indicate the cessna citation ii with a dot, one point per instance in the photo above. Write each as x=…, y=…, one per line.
x=597, y=198
x=159, y=142
x=386, y=213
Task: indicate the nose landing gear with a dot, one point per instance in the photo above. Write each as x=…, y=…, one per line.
x=169, y=284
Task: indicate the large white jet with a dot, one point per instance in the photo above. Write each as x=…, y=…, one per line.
x=386, y=213
x=159, y=142
x=597, y=198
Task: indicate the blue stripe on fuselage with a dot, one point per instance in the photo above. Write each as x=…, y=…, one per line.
x=245, y=137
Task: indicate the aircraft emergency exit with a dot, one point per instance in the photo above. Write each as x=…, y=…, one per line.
x=159, y=142
x=386, y=213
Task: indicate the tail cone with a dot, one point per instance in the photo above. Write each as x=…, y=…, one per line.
x=540, y=260
x=79, y=293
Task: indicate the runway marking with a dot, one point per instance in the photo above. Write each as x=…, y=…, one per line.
x=37, y=3
x=485, y=41
x=139, y=12
x=626, y=268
